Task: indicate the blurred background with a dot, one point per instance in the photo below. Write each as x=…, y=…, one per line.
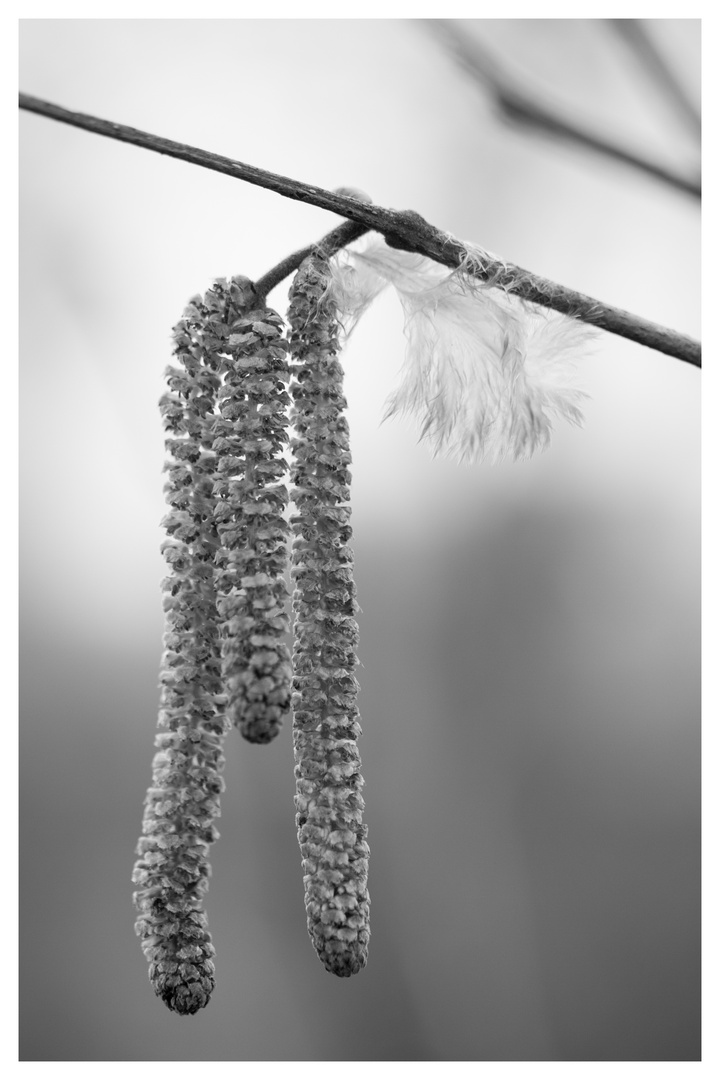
x=529, y=632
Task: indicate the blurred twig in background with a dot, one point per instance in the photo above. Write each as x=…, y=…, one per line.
x=519, y=105
x=635, y=33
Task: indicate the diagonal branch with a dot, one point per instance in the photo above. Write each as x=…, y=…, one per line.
x=635, y=33
x=516, y=104
x=402, y=229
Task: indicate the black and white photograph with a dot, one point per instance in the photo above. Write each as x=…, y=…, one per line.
x=359, y=537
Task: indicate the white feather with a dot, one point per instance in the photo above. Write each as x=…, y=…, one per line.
x=485, y=372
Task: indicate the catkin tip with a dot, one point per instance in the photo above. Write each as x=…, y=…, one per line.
x=184, y=998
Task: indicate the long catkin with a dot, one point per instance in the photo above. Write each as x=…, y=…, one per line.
x=250, y=433
x=326, y=723
x=172, y=871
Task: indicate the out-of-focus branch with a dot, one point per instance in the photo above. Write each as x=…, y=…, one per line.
x=403, y=229
x=635, y=33
x=516, y=105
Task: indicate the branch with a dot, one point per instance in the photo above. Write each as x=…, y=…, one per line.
x=402, y=229
x=515, y=104
x=640, y=41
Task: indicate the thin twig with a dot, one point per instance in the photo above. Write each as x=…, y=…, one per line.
x=406, y=230
x=516, y=104
x=330, y=244
x=636, y=35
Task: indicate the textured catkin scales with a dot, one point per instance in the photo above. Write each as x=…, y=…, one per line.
x=172, y=871
x=326, y=724
x=246, y=340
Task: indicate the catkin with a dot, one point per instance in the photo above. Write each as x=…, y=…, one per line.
x=172, y=871
x=250, y=433
x=326, y=723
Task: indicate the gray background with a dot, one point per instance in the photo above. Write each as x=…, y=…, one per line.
x=529, y=632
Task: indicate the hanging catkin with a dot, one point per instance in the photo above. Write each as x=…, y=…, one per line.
x=246, y=339
x=172, y=870
x=326, y=725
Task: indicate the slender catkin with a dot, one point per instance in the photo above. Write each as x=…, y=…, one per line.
x=326, y=724
x=247, y=341
x=172, y=871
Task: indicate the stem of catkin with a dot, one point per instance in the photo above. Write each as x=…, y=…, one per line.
x=326, y=724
